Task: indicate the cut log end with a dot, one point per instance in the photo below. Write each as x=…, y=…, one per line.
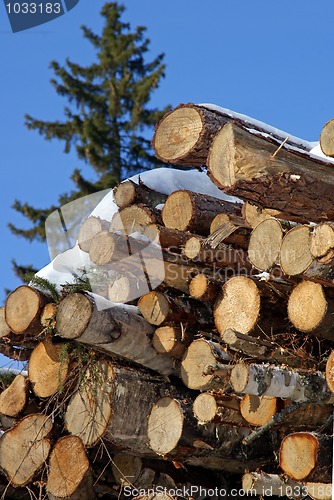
x=322, y=240
x=307, y=306
x=238, y=305
x=126, y=468
x=177, y=134
x=125, y=194
x=201, y=288
x=132, y=219
x=68, y=469
x=239, y=377
x=23, y=309
x=171, y=340
x=78, y=306
x=219, y=165
x=89, y=229
x=327, y=138
x=14, y=398
x=265, y=244
x=258, y=410
x=296, y=256
x=48, y=367
x=330, y=372
x=178, y=211
x=165, y=425
x=154, y=307
x=298, y=454
x=205, y=407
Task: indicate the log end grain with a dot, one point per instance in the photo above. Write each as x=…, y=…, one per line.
x=322, y=240
x=258, y=410
x=220, y=164
x=102, y=248
x=89, y=229
x=296, y=255
x=239, y=377
x=307, y=306
x=4, y=328
x=194, y=365
x=170, y=340
x=177, y=134
x=238, y=305
x=68, y=469
x=132, y=219
x=78, y=306
x=201, y=288
x=165, y=425
x=124, y=194
x=205, y=407
x=265, y=244
x=178, y=210
x=330, y=372
x=327, y=138
x=23, y=309
x=14, y=398
x=298, y=454
x=154, y=307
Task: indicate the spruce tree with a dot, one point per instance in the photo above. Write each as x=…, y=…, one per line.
x=107, y=117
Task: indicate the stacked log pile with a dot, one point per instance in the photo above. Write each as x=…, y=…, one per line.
x=202, y=364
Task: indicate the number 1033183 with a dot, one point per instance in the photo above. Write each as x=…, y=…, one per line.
x=33, y=8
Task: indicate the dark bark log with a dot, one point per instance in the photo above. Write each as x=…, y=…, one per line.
x=243, y=164
x=130, y=193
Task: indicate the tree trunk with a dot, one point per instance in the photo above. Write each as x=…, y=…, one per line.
x=224, y=229
x=158, y=308
x=130, y=193
x=265, y=244
x=262, y=350
x=116, y=329
x=184, y=135
x=243, y=164
x=310, y=310
x=266, y=380
x=48, y=368
x=305, y=455
x=327, y=138
x=204, y=366
x=217, y=409
x=90, y=228
x=238, y=305
x=69, y=471
x=109, y=392
x=15, y=398
x=172, y=340
x=25, y=448
x=170, y=239
x=23, y=310
x=194, y=212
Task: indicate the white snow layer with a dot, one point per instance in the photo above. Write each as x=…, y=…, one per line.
x=65, y=266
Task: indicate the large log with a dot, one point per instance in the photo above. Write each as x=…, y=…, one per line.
x=245, y=165
x=23, y=310
x=194, y=212
x=268, y=380
x=310, y=310
x=130, y=193
x=205, y=366
x=69, y=473
x=117, y=330
x=265, y=244
x=184, y=135
x=174, y=434
x=25, y=448
x=305, y=455
x=109, y=392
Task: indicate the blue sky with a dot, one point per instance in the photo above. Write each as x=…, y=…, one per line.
x=270, y=60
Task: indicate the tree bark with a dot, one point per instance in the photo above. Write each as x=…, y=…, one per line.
x=25, y=448
x=23, y=310
x=109, y=392
x=69, y=471
x=224, y=229
x=172, y=340
x=48, y=368
x=188, y=211
x=243, y=164
x=130, y=193
x=305, y=455
x=4, y=328
x=267, y=380
x=205, y=366
x=116, y=330
x=184, y=135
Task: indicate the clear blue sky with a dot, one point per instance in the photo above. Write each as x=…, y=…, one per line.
x=270, y=60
